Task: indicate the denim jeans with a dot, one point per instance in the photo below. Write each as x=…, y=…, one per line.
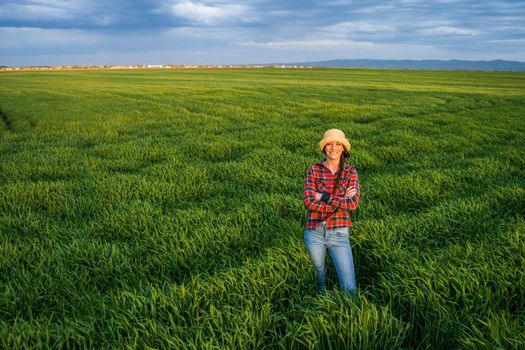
x=318, y=241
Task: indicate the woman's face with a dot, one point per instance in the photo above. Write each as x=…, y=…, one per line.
x=333, y=150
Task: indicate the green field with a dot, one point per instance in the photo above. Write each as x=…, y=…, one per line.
x=163, y=209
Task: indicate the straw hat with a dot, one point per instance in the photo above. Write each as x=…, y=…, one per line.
x=334, y=135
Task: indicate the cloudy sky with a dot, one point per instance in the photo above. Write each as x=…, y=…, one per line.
x=57, y=32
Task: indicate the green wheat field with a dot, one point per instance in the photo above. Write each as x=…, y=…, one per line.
x=162, y=209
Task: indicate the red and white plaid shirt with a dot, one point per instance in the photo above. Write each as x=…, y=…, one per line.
x=335, y=213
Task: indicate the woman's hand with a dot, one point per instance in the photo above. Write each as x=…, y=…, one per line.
x=318, y=196
x=350, y=192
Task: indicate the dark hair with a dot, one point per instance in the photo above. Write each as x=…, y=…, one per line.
x=342, y=162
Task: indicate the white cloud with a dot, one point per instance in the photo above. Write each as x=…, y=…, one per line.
x=520, y=42
x=309, y=43
x=447, y=30
x=210, y=14
x=375, y=9
x=323, y=49
x=360, y=27
x=208, y=33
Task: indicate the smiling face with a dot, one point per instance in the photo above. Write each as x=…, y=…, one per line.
x=333, y=150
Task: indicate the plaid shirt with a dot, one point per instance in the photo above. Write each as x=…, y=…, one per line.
x=335, y=212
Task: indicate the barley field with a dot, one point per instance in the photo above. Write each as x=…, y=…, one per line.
x=157, y=209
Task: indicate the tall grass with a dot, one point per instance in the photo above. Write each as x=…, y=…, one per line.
x=158, y=209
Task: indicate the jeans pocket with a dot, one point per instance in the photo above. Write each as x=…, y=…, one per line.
x=313, y=236
x=342, y=232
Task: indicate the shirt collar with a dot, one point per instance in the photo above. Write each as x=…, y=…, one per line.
x=321, y=164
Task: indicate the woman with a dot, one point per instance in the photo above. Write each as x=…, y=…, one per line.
x=331, y=190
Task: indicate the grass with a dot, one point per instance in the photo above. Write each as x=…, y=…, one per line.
x=158, y=209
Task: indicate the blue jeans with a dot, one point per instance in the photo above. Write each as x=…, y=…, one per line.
x=318, y=241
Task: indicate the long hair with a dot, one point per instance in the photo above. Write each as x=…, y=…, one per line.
x=342, y=162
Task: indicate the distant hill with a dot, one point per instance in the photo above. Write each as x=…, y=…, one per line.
x=496, y=65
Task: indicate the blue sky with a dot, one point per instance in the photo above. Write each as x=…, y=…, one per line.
x=59, y=32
